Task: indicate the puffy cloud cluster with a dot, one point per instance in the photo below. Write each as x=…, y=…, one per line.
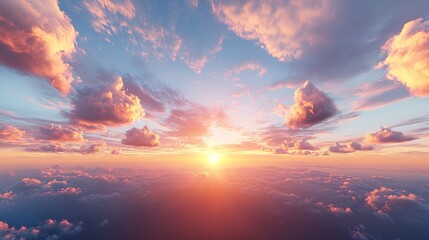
x=59, y=133
x=311, y=107
x=283, y=28
x=52, y=147
x=408, y=57
x=141, y=137
x=38, y=43
x=11, y=133
x=58, y=147
x=108, y=105
x=50, y=229
x=384, y=200
x=386, y=135
x=353, y=146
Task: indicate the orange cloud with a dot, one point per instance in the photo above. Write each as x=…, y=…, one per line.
x=10, y=133
x=408, y=57
x=283, y=28
x=108, y=105
x=36, y=37
x=141, y=137
x=311, y=107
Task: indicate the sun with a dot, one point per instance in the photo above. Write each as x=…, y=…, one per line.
x=214, y=158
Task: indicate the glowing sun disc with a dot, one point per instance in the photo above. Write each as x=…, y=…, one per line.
x=214, y=158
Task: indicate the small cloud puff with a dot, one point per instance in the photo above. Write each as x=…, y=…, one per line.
x=36, y=39
x=353, y=146
x=311, y=107
x=408, y=57
x=141, y=137
x=386, y=135
x=108, y=105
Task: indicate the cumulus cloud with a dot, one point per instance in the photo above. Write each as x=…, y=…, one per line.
x=386, y=135
x=59, y=133
x=353, y=146
x=11, y=133
x=141, y=137
x=281, y=28
x=50, y=230
x=311, y=107
x=38, y=43
x=408, y=57
x=384, y=200
x=109, y=105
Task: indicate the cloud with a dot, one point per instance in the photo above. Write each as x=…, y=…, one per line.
x=407, y=57
x=49, y=230
x=141, y=137
x=59, y=133
x=193, y=121
x=378, y=94
x=385, y=200
x=52, y=147
x=311, y=107
x=39, y=43
x=353, y=146
x=104, y=14
x=283, y=29
x=108, y=105
x=11, y=133
x=251, y=66
x=301, y=144
x=386, y=135
x=91, y=148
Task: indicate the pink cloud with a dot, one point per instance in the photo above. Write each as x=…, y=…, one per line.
x=11, y=133
x=9, y=195
x=378, y=94
x=311, y=107
x=52, y=147
x=408, y=57
x=37, y=38
x=50, y=229
x=108, y=105
x=283, y=29
x=384, y=200
x=105, y=12
x=141, y=137
x=91, y=148
x=194, y=122
x=353, y=146
x=386, y=135
x=301, y=144
x=256, y=67
x=59, y=133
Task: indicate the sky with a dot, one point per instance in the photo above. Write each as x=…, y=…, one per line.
x=140, y=98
